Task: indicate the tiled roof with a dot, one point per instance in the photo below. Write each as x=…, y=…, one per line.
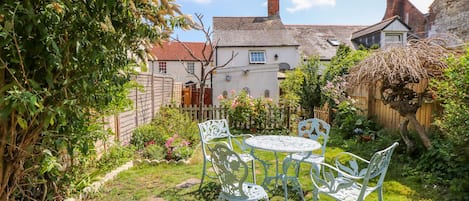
x=175, y=51
x=251, y=31
x=376, y=27
x=247, y=23
x=321, y=40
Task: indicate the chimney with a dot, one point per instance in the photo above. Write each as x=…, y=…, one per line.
x=395, y=7
x=273, y=7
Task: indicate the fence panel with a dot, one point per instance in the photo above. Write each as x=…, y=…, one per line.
x=369, y=100
x=274, y=119
x=155, y=91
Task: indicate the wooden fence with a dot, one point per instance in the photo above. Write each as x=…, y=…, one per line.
x=284, y=119
x=155, y=91
x=369, y=100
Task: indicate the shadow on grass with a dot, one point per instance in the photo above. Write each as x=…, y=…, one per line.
x=208, y=191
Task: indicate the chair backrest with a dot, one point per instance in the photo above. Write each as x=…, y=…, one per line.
x=214, y=129
x=379, y=164
x=231, y=170
x=314, y=129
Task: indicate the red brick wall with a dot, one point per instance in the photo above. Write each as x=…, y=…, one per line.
x=408, y=13
x=273, y=7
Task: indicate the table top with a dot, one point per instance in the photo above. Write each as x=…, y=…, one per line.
x=282, y=143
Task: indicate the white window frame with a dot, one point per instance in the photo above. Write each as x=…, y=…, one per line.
x=191, y=67
x=162, y=67
x=388, y=36
x=257, y=57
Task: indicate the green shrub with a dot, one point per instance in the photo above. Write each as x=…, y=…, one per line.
x=351, y=123
x=115, y=156
x=183, y=152
x=154, y=152
x=452, y=91
x=171, y=135
x=143, y=135
x=170, y=121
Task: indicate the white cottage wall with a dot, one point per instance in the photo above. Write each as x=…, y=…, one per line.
x=257, y=78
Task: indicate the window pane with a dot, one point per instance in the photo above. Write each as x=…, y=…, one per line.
x=393, y=38
x=190, y=67
x=257, y=57
x=162, y=67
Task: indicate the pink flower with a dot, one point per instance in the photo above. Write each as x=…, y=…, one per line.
x=185, y=143
x=170, y=141
x=220, y=97
x=234, y=104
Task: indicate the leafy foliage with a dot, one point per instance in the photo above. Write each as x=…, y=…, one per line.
x=452, y=91
x=242, y=108
x=291, y=87
x=62, y=65
x=171, y=135
x=310, y=93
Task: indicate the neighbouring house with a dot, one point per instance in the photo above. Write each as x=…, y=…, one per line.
x=389, y=32
x=262, y=46
x=265, y=48
x=446, y=18
x=408, y=14
x=172, y=58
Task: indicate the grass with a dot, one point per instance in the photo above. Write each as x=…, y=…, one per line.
x=148, y=182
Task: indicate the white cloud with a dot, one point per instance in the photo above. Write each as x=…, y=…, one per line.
x=422, y=5
x=306, y=4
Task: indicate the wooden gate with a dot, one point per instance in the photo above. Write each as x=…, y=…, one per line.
x=190, y=96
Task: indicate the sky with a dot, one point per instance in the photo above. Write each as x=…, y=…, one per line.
x=313, y=12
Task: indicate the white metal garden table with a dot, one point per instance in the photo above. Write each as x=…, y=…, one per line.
x=281, y=144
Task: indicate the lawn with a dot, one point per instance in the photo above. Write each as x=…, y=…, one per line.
x=160, y=181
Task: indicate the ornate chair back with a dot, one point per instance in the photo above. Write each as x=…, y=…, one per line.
x=213, y=129
x=352, y=181
x=231, y=171
x=315, y=129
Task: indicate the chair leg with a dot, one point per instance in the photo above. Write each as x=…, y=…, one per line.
x=380, y=193
x=203, y=175
x=315, y=194
x=297, y=169
x=253, y=167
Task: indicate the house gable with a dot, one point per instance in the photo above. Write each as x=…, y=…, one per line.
x=376, y=34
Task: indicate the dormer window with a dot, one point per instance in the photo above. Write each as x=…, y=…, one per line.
x=333, y=42
x=257, y=57
x=393, y=38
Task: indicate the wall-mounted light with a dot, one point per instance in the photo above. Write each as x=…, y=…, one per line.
x=276, y=56
x=228, y=78
x=246, y=71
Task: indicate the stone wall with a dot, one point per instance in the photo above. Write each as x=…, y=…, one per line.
x=449, y=17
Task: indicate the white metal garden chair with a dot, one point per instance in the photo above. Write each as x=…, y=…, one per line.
x=353, y=181
x=315, y=129
x=215, y=130
x=232, y=172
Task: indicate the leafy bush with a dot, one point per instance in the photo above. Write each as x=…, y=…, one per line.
x=114, y=157
x=143, y=135
x=242, y=108
x=351, y=123
x=154, y=151
x=171, y=135
x=170, y=121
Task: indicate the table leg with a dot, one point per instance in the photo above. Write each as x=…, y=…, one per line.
x=287, y=163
